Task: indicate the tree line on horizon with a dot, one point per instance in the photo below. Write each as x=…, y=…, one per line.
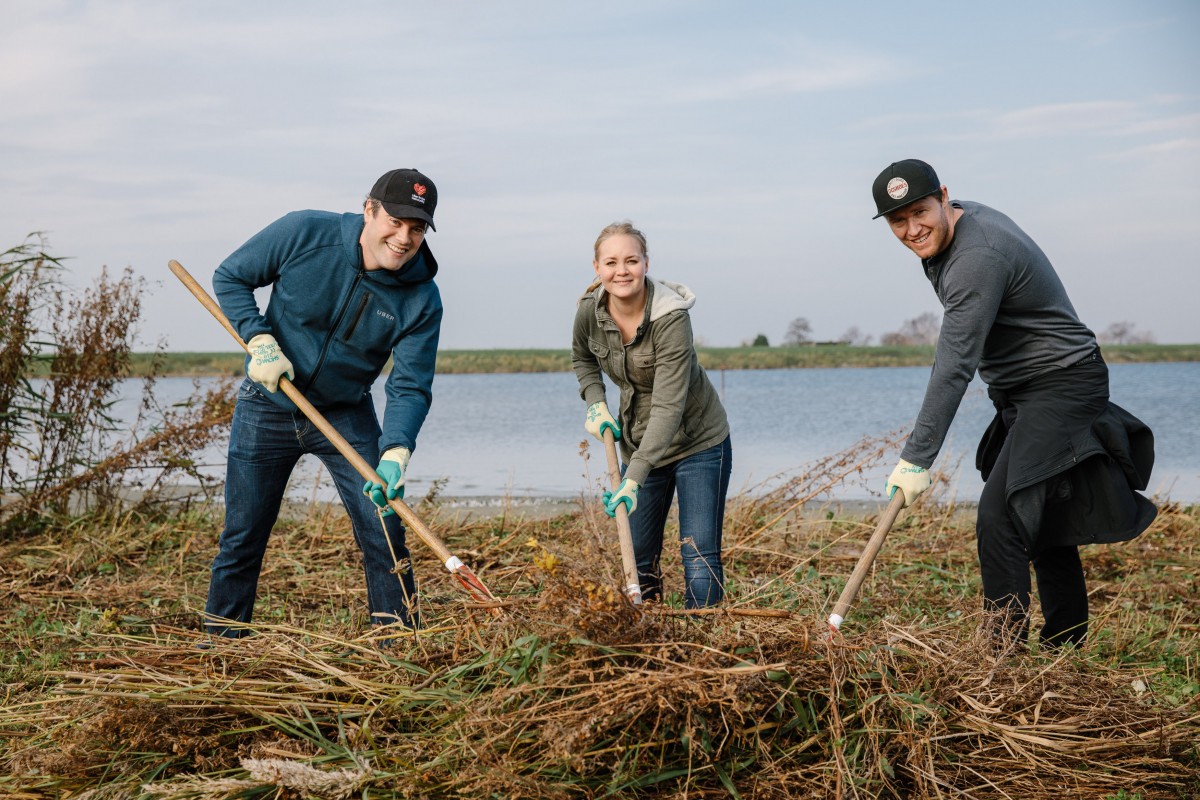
x=922, y=330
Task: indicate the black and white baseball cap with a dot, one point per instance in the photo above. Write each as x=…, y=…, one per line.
x=902, y=183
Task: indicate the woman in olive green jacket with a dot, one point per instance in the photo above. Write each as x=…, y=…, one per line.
x=672, y=428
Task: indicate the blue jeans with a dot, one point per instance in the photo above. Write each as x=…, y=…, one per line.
x=702, y=480
x=265, y=443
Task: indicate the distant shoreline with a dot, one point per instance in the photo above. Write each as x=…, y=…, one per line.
x=467, y=362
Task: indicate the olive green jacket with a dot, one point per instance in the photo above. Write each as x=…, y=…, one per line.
x=669, y=409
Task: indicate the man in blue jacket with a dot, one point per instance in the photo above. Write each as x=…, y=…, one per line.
x=1061, y=464
x=348, y=291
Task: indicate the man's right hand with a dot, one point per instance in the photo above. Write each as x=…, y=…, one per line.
x=910, y=479
x=598, y=418
x=267, y=362
x=392, y=466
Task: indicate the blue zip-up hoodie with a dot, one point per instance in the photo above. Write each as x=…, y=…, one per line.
x=337, y=322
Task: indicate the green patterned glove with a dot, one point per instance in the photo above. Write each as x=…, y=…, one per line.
x=391, y=469
x=267, y=362
x=598, y=418
x=626, y=493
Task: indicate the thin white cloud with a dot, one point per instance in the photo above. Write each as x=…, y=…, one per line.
x=1182, y=152
x=1182, y=123
x=922, y=121
x=1109, y=118
x=1104, y=36
x=1063, y=119
x=828, y=73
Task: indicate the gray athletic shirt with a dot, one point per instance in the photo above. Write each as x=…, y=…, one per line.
x=1006, y=314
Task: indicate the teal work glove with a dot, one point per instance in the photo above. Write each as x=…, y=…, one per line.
x=598, y=419
x=392, y=466
x=267, y=362
x=626, y=493
x=910, y=479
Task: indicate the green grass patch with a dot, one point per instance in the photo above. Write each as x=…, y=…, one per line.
x=451, y=362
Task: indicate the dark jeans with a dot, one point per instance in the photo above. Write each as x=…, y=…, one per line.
x=265, y=443
x=702, y=481
x=1041, y=419
x=1004, y=566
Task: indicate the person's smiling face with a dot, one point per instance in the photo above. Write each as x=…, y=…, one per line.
x=925, y=226
x=389, y=242
x=621, y=266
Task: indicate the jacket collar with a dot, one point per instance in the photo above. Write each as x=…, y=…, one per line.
x=608, y=323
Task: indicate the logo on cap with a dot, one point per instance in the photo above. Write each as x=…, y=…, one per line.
x=897, y=188
x=419, y=188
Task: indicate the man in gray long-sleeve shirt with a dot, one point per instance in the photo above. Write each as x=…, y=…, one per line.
x=1052, y=478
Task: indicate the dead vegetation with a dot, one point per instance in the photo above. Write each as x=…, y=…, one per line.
x=572, y=692
x=64, y=356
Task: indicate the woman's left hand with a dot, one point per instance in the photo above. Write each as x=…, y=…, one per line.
x=626, y=493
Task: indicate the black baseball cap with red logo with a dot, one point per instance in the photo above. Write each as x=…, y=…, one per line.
x=902, y=183
x=406, y=194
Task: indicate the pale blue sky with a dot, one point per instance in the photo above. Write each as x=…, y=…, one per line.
x=741, y=137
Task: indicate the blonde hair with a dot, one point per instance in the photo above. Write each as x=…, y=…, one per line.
x=624, y=228
x=620, y=229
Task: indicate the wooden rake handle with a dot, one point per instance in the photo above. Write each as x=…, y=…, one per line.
x=866, y=560
x=452, y=563
x=633, y=587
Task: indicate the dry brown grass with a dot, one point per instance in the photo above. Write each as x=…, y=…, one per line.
x=574, y=693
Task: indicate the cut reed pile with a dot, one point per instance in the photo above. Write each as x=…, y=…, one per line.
x=574, y=693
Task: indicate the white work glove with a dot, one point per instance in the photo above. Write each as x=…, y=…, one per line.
x=626, y=493
x=910, y=479
x=392, y=466
x=267, y=362
x=598, y=419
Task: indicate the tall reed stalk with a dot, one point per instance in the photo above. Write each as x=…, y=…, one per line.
x=27, y=279
x=61, y=448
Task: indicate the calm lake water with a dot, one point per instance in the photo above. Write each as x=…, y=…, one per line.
x=520, y=435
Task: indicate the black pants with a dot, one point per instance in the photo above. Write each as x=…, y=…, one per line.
x=1004, y=566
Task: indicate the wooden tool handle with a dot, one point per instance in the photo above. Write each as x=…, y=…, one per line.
x=633, y=587
x=866, y=560
x=364, y=469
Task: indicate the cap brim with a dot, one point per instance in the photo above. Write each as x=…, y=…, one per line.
x=402, y=211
